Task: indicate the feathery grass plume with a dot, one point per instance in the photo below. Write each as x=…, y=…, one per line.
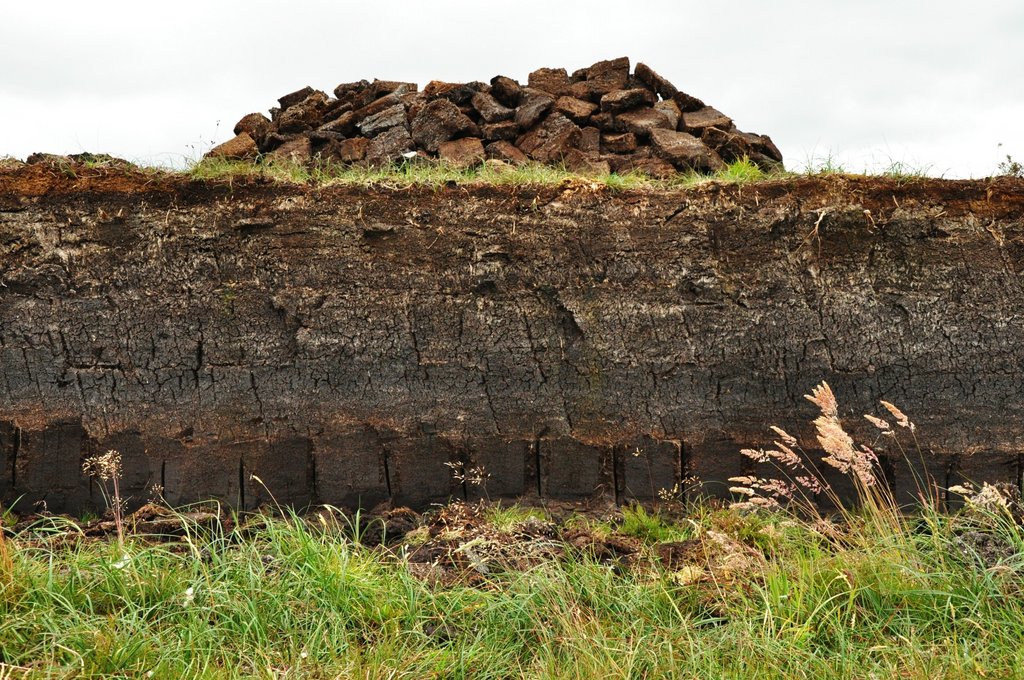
x=761, y=492
x=837, y=443
x=901, y=419
x=988, y=498
x=965, y=489
x=741, y=490
x=811, y=483
x=880, y=424
x=842, y=454
x=756, y=455
x=789, y=439
x=801, y=480
x=822, y=397
x=785, y=455
x=928, y=488
x=788, y=461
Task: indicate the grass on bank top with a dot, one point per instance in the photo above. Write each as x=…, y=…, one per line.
x=439, y=174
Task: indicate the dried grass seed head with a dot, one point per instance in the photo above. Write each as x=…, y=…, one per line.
x=879, y=423
x=756, y=455
x=105, y=466
x=901, y=418
x=785, y=456
x=822, y=397
x=842, y=455
x=787, y=439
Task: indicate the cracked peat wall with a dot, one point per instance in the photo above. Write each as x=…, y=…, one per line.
x=343, y=344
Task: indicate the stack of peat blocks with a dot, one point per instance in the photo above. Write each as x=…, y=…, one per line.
x=599, y=119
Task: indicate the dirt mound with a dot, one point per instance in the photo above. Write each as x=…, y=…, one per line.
x=601, y=119
x=461, y=543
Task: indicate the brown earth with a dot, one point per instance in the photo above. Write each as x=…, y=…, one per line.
x=341, y=345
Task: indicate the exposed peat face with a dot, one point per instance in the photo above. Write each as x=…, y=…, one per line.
x=343, y=345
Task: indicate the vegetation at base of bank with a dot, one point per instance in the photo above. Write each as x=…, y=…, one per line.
x=495, y=591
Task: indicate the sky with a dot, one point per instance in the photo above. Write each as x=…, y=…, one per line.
x=933, y=86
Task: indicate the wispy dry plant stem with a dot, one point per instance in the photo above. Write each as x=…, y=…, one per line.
x=107, y=468
x=118, y=508
x=6, y=562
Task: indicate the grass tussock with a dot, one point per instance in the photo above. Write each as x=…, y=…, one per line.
x=769, y=589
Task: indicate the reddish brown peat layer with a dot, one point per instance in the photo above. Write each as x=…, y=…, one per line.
x=343, y=344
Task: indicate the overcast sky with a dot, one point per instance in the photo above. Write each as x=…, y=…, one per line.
x=929, y=84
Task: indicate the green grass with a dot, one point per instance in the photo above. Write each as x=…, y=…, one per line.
x=441, y=174
x=906, y=171
x=827, y=164
x=508, y=516
x=900, y=170
x=651, y=527
x=743, y=171
x=435, y=175
x=292, y=599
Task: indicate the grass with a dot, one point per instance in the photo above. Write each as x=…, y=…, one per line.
x=827, y=164
x=508, y=516
x=437, y=174
x=441, y=174
x=292, y=600
x=906, y=171
x=651, y=527
x=900, y=170
x=739, y=172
